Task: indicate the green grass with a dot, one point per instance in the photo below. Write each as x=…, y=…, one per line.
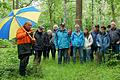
x=50, y=70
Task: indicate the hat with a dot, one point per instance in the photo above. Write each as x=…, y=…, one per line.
x=63, y=24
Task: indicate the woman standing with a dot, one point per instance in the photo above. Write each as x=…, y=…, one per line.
x=87, y=44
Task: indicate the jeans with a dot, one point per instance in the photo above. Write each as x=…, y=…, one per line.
x=71, y=53
x=37, y=58
x=119, y=47
x=68, y=55
x=80, y=51
x=93, y=49
x=45, y=52
x=62, y=52
x=101, y=57
x=53, y=51
x=23, y=64
x=115, y=48
x=87, y=53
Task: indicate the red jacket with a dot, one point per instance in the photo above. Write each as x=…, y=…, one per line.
x=22, y=36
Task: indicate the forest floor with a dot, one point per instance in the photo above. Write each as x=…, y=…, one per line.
x=50, y=70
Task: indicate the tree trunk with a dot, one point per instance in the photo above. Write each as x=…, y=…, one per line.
x=92, y=13
x=50, y=4
x=17, y=4
x=3, y=0
x=78, y=12
x=65, y=12
x=100, y=12
x=13, y=4
x=50, y=19
x=113, y=10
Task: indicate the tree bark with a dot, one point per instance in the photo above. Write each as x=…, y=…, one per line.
x=51, y=11
x=92, y=13
x=17, y=4
x=65, y=12
x=3, y=0
x=78, y=12
x=113, y=10
x=13, y=4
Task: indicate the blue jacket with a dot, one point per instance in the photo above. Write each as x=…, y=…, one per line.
x=94, y=35
x=77, y=40
x=62, y=39
x=103, y=41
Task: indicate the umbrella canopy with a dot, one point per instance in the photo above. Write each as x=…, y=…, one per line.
x=16, y=19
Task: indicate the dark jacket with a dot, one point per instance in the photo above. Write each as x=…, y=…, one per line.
x=114, y=35
x=24, y=49
x=52, y=38
x=39, y=45
x=46, y=40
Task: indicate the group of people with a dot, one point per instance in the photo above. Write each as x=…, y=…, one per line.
x=67, y=43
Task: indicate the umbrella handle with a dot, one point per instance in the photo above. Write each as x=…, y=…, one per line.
x=32, y=38
x=27, y=33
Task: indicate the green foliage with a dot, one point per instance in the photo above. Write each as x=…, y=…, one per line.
x=54, y=12
x=114, y=60
x=102, y=13
x=5, y=8
x=5, y=44
x=50, y=70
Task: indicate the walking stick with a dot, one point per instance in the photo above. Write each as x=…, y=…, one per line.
x=27, y=33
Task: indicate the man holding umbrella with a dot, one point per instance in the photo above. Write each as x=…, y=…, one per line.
x=24, y=41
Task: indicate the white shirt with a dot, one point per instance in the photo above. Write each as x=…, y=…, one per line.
x=88, y=42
